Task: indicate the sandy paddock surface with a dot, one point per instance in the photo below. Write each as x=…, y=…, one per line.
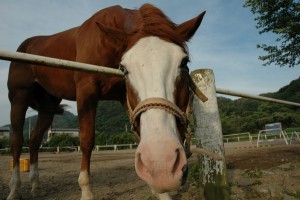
x=270, y=172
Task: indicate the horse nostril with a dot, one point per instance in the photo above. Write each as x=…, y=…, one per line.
x=184, y=174
x=177, y=161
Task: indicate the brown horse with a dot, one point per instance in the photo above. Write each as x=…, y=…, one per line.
x=152, y=53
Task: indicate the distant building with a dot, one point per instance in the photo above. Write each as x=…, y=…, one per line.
x=59, y=131
x=4, y=132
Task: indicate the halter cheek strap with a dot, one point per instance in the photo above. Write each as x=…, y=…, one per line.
x=170, y=107
x=163, y=104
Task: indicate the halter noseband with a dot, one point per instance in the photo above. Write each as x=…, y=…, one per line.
x=163, y=104
x=168, y=106
x=157, y=103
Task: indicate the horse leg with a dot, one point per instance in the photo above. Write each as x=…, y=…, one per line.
x=86, y=115
x=87, y=140
x=43, y=122
x=19, y=106
x=162, y=196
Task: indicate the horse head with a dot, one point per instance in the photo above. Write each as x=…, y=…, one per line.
x=157, y=81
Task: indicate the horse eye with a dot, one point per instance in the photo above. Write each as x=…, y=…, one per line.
x=123, y=69
x=184, y=64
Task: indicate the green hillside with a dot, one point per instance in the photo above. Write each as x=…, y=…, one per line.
x=237, y=116
x=111, y=117
x=67, y=120
x=244, y=115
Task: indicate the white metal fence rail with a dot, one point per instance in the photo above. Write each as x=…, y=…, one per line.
x=238, y=137
x=71, y=65
x=249, y=96
x=56, y=63
x=113, y=147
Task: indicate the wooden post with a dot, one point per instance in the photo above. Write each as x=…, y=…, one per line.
x=208, y=133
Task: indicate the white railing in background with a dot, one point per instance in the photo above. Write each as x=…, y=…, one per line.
x=114, y=147
x=238, y=137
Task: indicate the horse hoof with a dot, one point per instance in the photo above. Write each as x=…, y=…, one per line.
x=14, y=197
x=34, y=194
x=87, y=196
x=38, y=193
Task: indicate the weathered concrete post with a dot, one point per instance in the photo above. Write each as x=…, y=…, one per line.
x=208, y=133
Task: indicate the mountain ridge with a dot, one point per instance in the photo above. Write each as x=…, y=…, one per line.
x=239, y=115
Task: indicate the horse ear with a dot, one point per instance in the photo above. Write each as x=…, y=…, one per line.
x=187, y=29
x=113, y=33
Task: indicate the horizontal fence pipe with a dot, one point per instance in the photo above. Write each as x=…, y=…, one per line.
x=56, y=63
x=229, y=135
x=72, y=65
x=261, y=98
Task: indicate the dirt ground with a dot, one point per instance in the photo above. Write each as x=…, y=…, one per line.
x=269, y=172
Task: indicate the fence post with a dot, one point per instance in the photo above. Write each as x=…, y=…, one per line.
x=208, y=133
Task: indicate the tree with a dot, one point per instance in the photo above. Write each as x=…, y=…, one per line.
x=62, y=140
x=281, y=17
x=4, y=143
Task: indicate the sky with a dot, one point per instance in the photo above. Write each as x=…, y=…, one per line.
x=225, y=42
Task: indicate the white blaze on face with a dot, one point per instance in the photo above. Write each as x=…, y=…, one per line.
x=153, y=65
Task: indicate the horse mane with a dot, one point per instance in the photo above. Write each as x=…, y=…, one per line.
x=156, y=23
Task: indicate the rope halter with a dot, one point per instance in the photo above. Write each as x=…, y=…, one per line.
x=162, y=104
x=157, y=103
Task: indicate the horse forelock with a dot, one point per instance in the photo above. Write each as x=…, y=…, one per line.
x=151, y=21
x=156, y=23
x=136, y=24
